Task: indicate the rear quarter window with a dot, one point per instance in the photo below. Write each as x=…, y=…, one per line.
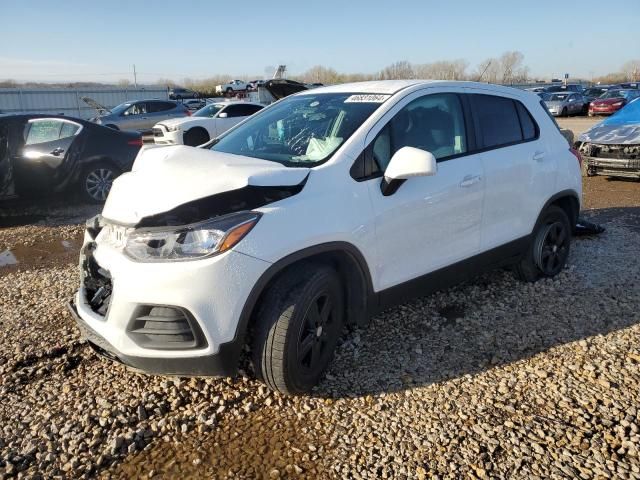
x=530, y=130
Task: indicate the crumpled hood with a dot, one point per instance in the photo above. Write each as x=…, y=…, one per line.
x=165, y=178
x=619, y=134
x=622, y=128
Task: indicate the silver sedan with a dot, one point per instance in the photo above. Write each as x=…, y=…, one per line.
x=563, y=104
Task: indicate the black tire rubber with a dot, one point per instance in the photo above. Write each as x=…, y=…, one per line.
x=283, y=320
x=111, y=125
x=527, y=268
x=82, y=183
x=564, y=112
x=195, y=136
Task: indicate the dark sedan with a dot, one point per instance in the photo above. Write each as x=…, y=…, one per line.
x=42, y=154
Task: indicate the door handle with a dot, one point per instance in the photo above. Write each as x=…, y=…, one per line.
x=57, y=151
x=539, y=156
x=470, y=180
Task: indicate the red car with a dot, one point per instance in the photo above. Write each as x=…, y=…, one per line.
x=612, y=101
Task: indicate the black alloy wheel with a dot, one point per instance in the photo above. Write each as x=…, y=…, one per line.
x=552, y=248
x=317, y=328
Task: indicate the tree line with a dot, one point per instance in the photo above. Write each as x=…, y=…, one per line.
x=507, y=68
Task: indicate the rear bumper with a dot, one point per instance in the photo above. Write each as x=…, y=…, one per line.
x=221, y=364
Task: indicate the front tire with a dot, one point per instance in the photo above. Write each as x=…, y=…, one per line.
x=96, y=181
x=548, y=252
x=298, y=326
x=564, y=112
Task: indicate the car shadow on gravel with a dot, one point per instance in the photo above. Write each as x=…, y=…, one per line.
x=495, y=320
x=54, y=210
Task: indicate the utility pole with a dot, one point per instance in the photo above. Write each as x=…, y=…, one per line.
x=135, y=76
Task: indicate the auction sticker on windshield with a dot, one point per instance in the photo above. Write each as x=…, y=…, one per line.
x=369, y=98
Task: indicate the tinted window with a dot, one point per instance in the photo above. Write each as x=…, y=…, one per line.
x=41, y=131
x=434, y=123
x=160, y=106
x=136, y=109
x=498, y=120
x=234, y=111
x=251, y=109
x=529, y=127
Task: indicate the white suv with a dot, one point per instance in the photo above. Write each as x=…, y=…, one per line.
x=316, y=212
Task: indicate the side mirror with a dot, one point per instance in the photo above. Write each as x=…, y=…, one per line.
x=406, y=163
x=222, y=115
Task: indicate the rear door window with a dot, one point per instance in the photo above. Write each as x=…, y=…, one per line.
x=498, y=120
x=155, y=107
x=49, y=130
x=42, y=131
x=234, y=111
x=251, y=109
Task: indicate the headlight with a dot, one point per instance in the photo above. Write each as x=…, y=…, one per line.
x=190, y=242
x=617, y=104
x=172, y=128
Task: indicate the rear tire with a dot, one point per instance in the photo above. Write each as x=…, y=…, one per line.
x=548, y=252
x=96, y=180
x=298, y=326
x=195, y=137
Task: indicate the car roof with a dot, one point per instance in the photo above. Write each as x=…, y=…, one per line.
x=33, y=116
x=240, y=102
x=390, y=87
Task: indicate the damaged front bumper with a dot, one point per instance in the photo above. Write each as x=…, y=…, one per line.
x=221, y=364
x=172, y=318
x=611, y=160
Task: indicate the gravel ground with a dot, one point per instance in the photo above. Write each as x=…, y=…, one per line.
x=492, y=379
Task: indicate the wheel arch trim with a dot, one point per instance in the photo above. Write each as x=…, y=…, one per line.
x=233, y=348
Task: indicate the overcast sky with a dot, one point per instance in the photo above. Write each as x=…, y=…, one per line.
x=100, y=41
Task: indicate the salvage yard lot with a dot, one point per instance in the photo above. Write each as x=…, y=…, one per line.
x=493, y=378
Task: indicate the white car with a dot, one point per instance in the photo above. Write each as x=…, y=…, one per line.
x=232, y=87
x=316, y=212
x=205, y=124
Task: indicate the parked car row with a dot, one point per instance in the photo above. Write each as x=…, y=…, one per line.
x=594, y=101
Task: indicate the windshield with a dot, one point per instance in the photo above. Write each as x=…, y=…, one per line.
x=301, y=130
x=614, y=94
x=594, y=92
x=209, y=111
x=558, y=97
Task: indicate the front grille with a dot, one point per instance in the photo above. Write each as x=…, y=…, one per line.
x=97, y=282
x=157, y=132
x=617, y=152
x=165, y=328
